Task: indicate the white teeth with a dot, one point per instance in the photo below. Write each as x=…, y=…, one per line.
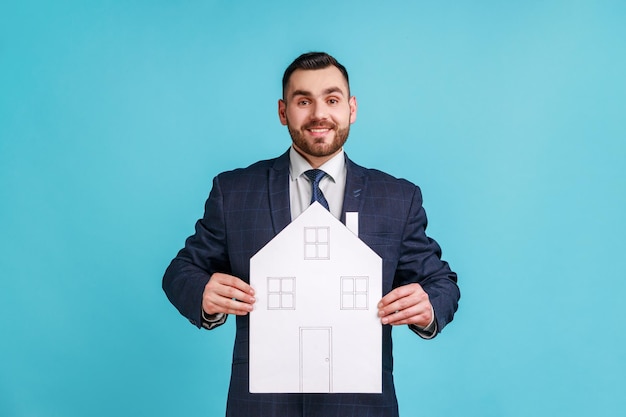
x=319, y=130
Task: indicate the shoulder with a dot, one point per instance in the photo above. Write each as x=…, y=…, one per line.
x=256, y=171
x=253, y=169
x=377, y=178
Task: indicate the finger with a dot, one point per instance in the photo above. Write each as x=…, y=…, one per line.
x=229, y=286
x=231, y=293
x=230, y=306
x=215, y=303
x=391, y=297
x=401, y=304
x=232, y=281
x=407, y=316
x=399, y=293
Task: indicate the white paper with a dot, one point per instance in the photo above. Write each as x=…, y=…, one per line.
x=314, y=327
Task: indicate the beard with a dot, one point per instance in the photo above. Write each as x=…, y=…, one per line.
x=318, y=148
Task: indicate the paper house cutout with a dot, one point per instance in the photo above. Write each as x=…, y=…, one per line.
x=314, y=327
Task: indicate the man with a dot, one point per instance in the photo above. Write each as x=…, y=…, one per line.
x=208, y=279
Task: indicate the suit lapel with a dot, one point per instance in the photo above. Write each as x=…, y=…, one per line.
x=278, y=186
x=356, y=181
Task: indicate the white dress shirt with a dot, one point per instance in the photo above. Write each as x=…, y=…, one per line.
x=332, y=185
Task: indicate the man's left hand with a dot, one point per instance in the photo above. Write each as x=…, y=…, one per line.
x=408, y=304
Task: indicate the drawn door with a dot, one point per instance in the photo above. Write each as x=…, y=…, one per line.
x=315, y=359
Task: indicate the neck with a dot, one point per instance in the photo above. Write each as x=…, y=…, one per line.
x=316, y=161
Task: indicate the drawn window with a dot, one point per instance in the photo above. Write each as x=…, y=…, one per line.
x=354, y=293
x=281, y=293
x=317, y=243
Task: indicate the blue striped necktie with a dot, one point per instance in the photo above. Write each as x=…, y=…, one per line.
x=315, y=176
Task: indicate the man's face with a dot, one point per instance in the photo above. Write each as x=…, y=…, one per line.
x=318, y=111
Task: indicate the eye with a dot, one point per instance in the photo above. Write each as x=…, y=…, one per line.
x=333, y=101
x=303, y=102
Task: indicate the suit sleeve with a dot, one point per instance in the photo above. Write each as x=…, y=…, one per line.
x=205, y=253
x=420, y=261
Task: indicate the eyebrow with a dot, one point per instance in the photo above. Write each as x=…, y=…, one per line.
x=329, y=90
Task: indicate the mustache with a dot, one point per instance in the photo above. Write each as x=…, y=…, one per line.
x=320, y=125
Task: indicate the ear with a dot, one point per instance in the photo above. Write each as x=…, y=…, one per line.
x=282, y=112
x=353, y=109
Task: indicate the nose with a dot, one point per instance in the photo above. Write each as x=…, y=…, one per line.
x=320, y=112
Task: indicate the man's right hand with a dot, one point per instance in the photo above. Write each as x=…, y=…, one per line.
x=227, y=294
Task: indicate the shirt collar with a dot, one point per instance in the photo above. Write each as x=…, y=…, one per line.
x=333, y=167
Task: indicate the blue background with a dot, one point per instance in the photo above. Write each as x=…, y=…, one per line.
x=115, y=116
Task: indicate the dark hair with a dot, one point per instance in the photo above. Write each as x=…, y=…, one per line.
x=313, y=61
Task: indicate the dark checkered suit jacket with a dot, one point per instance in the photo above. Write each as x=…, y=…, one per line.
x=247, y=208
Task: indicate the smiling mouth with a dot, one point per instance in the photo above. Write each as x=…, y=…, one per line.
x=319, y=128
